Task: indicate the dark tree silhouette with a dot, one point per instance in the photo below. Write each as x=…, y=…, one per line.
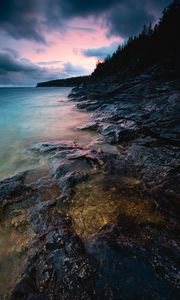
x=160, y=44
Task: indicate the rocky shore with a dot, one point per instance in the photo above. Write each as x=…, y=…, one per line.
x=101, y=222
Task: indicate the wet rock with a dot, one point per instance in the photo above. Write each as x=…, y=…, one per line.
x=75, y=169
x=144, y=99
x=126, y=266
x=61, y=269
x=89, y=126
x=62, y=167
x=71, y=179
x=11, y=190
x=114, y=134
x=166, y=192
x=11, y=186
x=88, y=105
x=164, y=120
x=94, y=157
x=53, y=146
x=106, y=112
x=39, y=216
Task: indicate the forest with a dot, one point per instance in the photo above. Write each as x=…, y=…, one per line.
x=158, y=44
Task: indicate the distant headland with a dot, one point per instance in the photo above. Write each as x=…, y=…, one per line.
x=69, y=82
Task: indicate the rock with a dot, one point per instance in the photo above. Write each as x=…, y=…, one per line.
x=61, y=268
x=119, y=255
x=167, y=193
x=11, y=186
x=89, y=126
x=71, y=179
x=62, y=167
x=88, y=105
x=53, y=146
x=114, y=134
x=94, y=157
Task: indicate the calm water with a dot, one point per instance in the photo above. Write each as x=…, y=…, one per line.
x=30, y=115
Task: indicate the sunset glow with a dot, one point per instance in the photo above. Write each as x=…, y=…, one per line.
x=59, y=39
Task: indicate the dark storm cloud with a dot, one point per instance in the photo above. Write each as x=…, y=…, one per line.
x=30, y=19
x=14, y=70
x=84, y=8
x=10, y=63
x=122, y=17
x=128, y=17
x=22, y=19
x=21, y=71
x=11, y=51
x=101, y=52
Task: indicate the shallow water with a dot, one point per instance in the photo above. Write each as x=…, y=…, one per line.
x=30, y=115
x=101, y=200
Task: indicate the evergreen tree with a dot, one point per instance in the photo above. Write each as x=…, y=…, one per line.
x=153, y=45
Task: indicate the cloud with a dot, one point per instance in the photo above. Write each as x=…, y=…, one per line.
x=79, y=8
x=39, y=50
x=22, y=72
x=128, y=17
x=19, y=71
x=22, y=19
x=10, y=63
x=70, y=70
x=86, y=29
x=11, y=51
x=127, y=20
x=50, y=62
x=102, y=52
x=31, y=19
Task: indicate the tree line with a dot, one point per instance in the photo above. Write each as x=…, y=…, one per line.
x=158, y=44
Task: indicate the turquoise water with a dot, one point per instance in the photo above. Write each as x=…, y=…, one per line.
x=30, y=115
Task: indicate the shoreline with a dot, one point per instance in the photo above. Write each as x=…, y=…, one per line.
x=31, y=116
x=123, y=205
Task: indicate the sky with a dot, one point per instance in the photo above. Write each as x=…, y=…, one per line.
x=44, y=40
